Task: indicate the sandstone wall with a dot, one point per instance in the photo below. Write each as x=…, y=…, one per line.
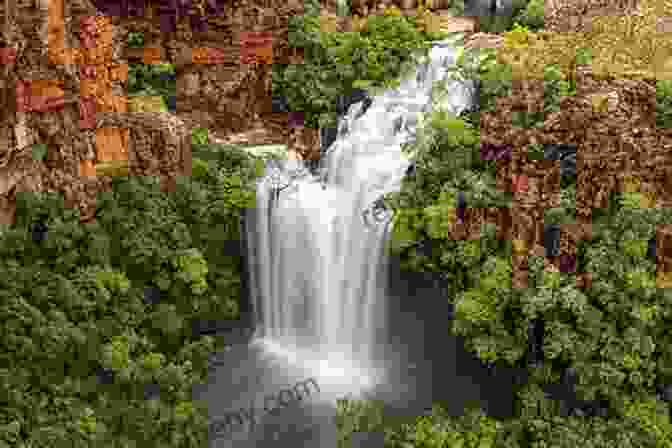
x=64, y=83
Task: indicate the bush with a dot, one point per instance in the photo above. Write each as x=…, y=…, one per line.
x=376, y=56
x=96, y=317
x=532, y=16
x=612, y=332
x=664, y=103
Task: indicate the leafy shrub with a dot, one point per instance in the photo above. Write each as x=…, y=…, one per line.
x=81, y=342
x=664, y=103
x=522, y=11
x=532, y=15
x=136, y=39
x=152, y=80
x=611, y=333
x=333, y=62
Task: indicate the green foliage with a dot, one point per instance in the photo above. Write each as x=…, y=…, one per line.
x=152, y=80
x=613, y=333
x=653, y=417
x=199, y=136
x=438, y=430
x=440, y=216
x=664, y=103
x=493, y=76
x=531, y=16
x=146, y=79
x=356, y=416
x=192, y=268
x=583, y=56
x=555, y=88
x=529, y=13
x=136, y=39
x=73, y=303
x=39, y=151
x=333, y=62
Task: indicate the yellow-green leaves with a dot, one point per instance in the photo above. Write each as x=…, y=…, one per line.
x=475, y=306
x=199, y=136
x=405, y=227
x=440, y=216
x=496, y=275
x=113, y=168
x=639, y=278
x=199, y=168
x=192, y=268
x=634, y=248
x=519, y=36
x=153, y=361
x=87, y=421
x=184, y=410
x=114, y=281
x=652, y=417
x=551, y=280
x=356, y=416
x=471, y=249
x=632, y=361
x=439, y=219
x=646, y=312
x=116, y=354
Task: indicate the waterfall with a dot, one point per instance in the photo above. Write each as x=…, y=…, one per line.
x=316, y=252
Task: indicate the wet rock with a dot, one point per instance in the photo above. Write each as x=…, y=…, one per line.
x=356, y=95
x=651, y=251
x=171, y=103
x=343, y=102
x=566, y=154
x=152, y=391
x=535, y=340
x=279, y=104
x=488, y=8
x=461, y=205
x=367, y=439
x=552, y=240
x=665, y=392
x=105, y=376
x=327, y=138
x=39, y=232
x=152, y=295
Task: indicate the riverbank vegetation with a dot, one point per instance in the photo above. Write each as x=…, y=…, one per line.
x=100, y=321
x=590, y=308
x=104, y=323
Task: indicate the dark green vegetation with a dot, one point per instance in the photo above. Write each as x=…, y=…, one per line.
x=334, y=63
x=98, y=341
x=664, y=103
x=611, y=341
x=100, y=346
x=151, y=79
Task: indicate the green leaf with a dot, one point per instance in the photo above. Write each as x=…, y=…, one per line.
x=39, y=151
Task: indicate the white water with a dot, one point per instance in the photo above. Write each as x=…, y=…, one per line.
x=317, y=261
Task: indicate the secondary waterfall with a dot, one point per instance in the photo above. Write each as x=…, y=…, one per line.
x=317, y=259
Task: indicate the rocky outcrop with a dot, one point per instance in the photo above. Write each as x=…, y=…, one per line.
x=223, y=51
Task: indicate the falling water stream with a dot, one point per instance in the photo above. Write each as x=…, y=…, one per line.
x=327, y=305
x=318, y=265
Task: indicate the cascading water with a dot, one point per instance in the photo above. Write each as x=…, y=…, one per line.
x=317, y=259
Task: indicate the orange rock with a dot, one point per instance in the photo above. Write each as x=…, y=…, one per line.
x=151, y=55
x=112, y=144
x=87, y=168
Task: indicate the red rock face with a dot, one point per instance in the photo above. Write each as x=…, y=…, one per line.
x=7, y=56
x=39, y=96
x=256, y=46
